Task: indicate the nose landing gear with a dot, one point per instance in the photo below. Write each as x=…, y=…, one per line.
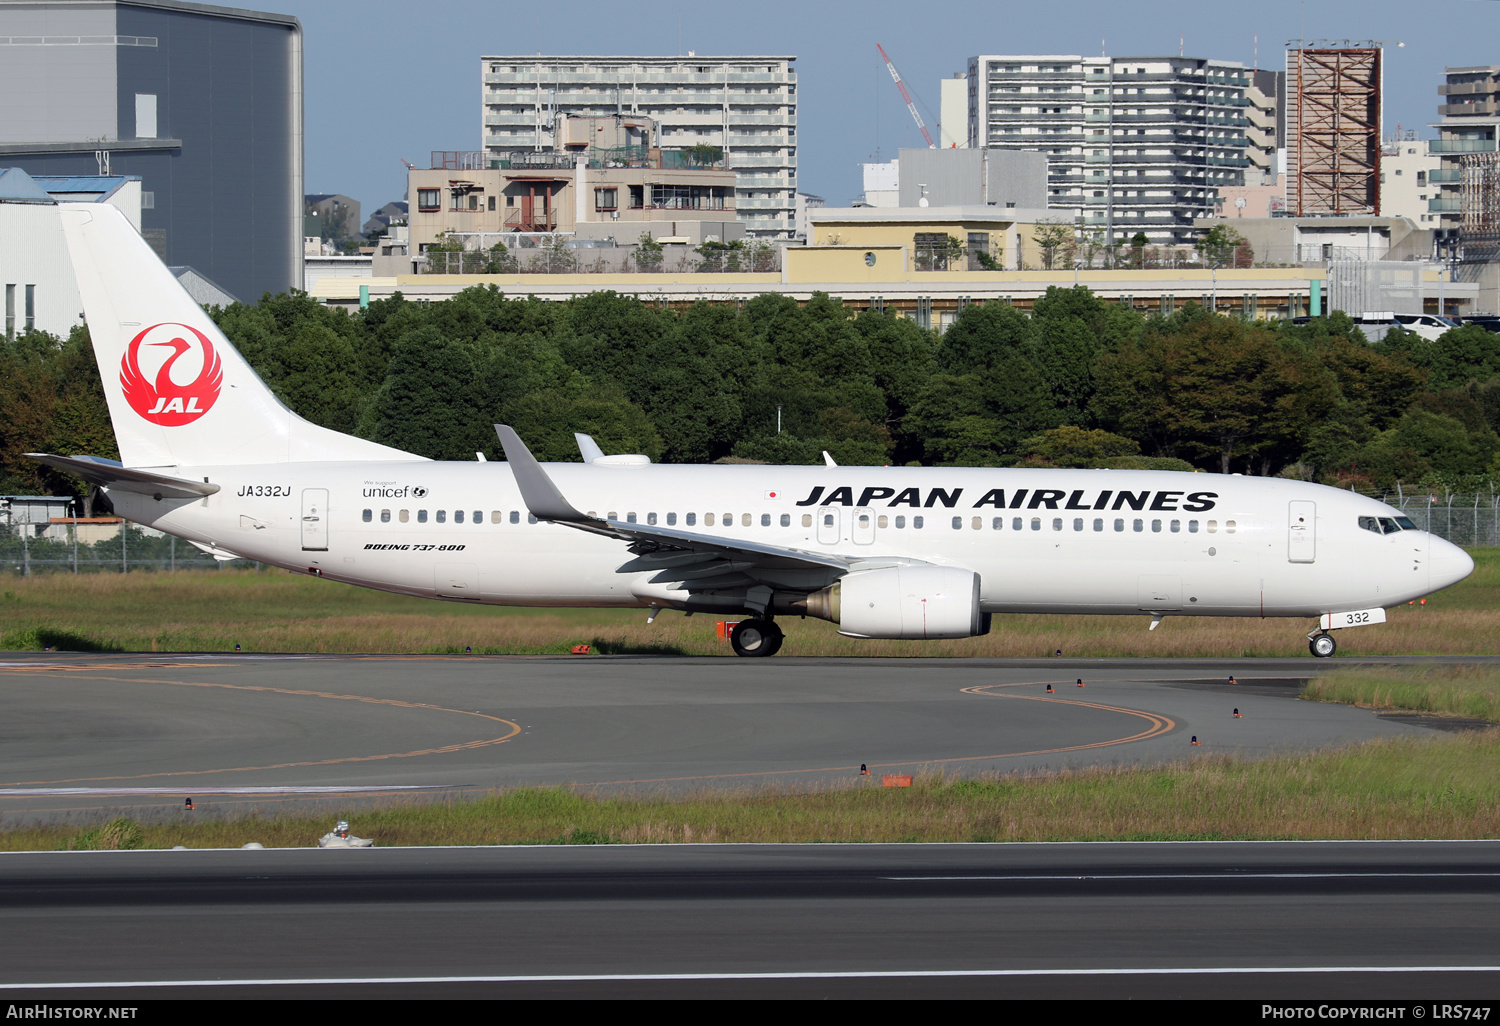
x=756, y=638
x=1322, y=645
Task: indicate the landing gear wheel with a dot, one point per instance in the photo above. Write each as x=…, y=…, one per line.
x=756, y=638
x=1322, y=645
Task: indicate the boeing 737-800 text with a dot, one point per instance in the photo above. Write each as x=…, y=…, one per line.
x=210, y=455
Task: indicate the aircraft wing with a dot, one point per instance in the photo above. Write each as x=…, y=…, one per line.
x=703, y=560
x=96, y=470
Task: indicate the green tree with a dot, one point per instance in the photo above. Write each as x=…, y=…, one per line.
x=1054, y=238
x=1069, y=446
x=648, y=255
x=1222, y=246
x=428, y=403
x=548, y=419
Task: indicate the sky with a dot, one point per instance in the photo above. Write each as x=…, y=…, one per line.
x=393, y=79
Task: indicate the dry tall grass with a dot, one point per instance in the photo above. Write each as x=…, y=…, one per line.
x=1441, y=787
x=1472, y=691
x=274, y=611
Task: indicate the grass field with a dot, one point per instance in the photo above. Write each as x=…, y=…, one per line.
x=1470, y=691
x=1442, y=787
x=275, y=611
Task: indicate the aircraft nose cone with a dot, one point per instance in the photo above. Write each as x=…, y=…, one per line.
x=1449, y=563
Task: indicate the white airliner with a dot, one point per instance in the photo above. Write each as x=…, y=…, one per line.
x=210, y=455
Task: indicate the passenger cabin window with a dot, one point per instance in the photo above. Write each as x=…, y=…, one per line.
x=1138, y=526
x=744, y=519
x=1015, y=525
x=708, y=519
x=671, y=519
x=997, y=524
x=1119, y=524
x=916, y=523
x=404, y=516
x=367, y=515
x=786, y=520
x=497, y=517
x=765, y=520
x=650, y=519
x=1098, y=524
x=385, y=516
x=1078, y=523
x=531, y=518
x=958, y=522
x=807, y=520
x=692, y=518
x=882, y=522
x=458, y=516
x=421, y=516
x=900, y=523
x=479, y=516
x=442, y=516
x=515, y=516
x=630, y=518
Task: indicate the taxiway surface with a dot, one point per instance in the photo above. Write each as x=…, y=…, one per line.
x=139, y=732
x=1397, y=920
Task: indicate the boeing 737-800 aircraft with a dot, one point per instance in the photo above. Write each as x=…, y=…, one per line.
x=210, y=455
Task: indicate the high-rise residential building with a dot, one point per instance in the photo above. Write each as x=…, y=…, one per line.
x=1135, y=145
x=1469, y=127
x=203, y=104
x=1265, y=135
x=745, y=107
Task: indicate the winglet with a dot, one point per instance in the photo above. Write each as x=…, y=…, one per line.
x=541, y=496
x=828, y=460
x=587, y=447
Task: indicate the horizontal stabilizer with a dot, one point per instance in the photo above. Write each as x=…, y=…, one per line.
x=112, y=475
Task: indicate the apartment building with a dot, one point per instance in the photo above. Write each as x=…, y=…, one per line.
x=603, y=196
x=746, y=107
x=1470, y=124
x=1409, y=180
x=1265, y=134
x=1135, y=145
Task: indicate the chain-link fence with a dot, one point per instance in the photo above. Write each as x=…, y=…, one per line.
x=1470, y=519
x=25, y=552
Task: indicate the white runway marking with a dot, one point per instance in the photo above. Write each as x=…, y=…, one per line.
x=851, y=975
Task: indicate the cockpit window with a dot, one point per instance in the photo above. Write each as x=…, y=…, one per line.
x=1386, y=525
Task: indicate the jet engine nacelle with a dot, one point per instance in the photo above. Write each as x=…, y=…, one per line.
x=904, y=602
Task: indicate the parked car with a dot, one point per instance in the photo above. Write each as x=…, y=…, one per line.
x=1489, y=322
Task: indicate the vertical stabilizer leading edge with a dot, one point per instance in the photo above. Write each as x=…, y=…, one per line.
x=179, y=394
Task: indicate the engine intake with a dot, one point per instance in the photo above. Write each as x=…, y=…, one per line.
x=903, y=602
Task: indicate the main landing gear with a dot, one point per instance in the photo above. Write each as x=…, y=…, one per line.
x=756, y=638
x=1322, y=645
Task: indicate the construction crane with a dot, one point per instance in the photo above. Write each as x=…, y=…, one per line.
x=907, y=97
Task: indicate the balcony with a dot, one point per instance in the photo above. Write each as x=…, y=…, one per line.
x=1445, y=205
x=1476, y=109
x=1445, y=174
x=1462, y=146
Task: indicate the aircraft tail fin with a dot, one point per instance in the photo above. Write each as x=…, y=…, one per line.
x=179, y=393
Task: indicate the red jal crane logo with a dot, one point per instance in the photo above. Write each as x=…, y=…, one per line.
x=174, y=351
